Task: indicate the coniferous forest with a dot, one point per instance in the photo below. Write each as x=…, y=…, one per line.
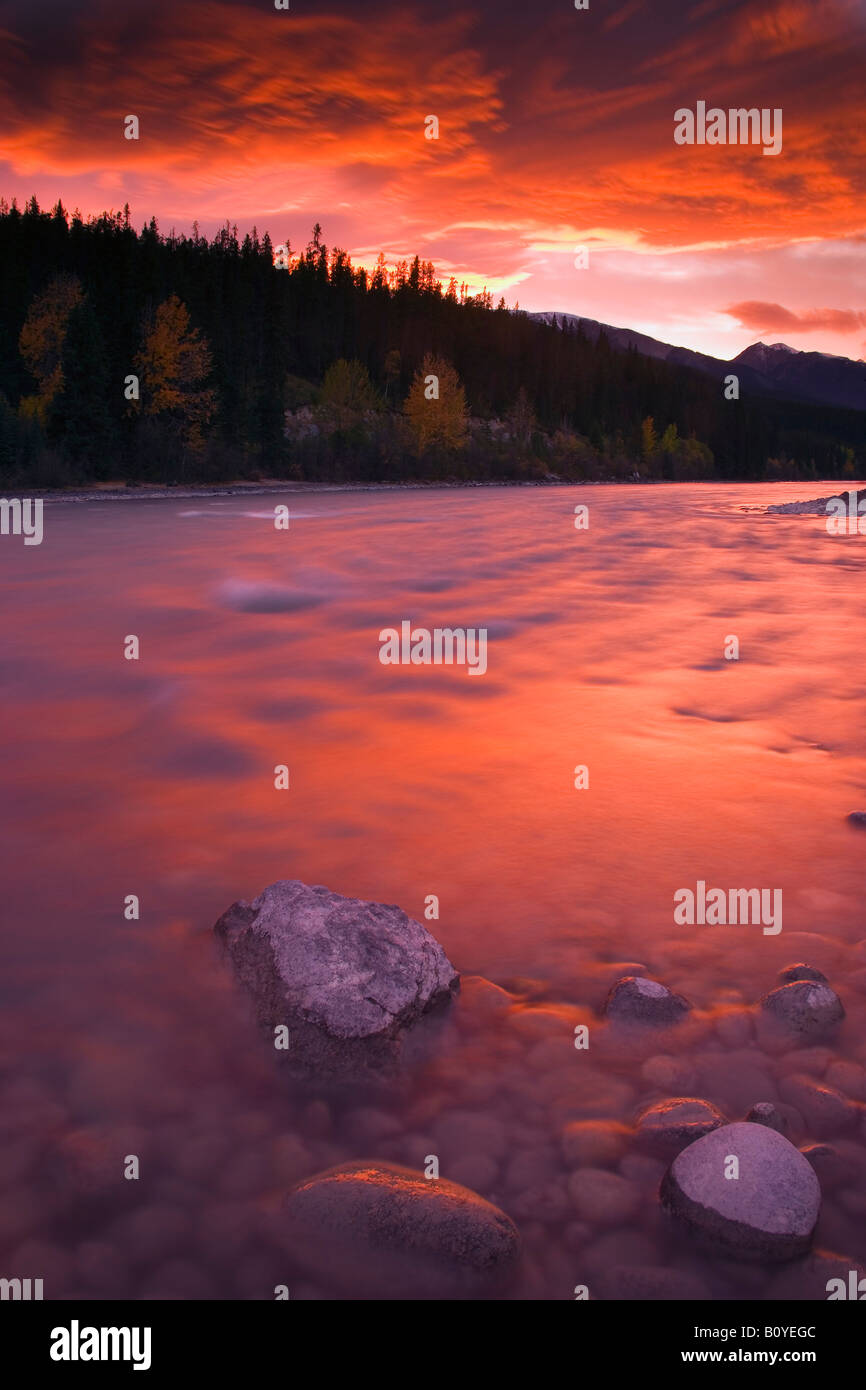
x=155, y=358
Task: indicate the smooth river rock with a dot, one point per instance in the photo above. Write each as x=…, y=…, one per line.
x=348, y=978
x=826, y=1111
x=766, y=1113
x=670, y=1125
x=801, y=971
x=769, y=1212
x=806, y=1008
x=636, y=999
x=392, y=1233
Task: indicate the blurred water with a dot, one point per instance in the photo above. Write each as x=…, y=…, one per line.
x=260, y=647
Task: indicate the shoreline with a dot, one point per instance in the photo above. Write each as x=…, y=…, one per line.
x=158, y=492
x=116, y=492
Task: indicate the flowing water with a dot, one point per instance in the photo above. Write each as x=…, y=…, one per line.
x=259, y=647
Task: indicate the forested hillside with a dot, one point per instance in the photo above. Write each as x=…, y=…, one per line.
x=153, y=357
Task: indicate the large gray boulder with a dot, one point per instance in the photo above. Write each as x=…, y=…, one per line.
x=394, y=1233
x=806, y=1008
x=348, y=978
x=768, y=1212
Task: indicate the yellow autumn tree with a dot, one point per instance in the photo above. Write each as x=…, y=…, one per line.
x=436, y=406
x=173, y=364
x=649, y=439
x=42, y=339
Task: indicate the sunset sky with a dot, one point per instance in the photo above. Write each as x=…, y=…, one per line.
x=556, y=131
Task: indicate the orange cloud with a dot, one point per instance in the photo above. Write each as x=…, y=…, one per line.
x=774, y=318
x=556, y=129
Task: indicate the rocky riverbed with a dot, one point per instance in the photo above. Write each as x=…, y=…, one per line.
x=126, y=1040
x=660, y=1207
x=819, y=506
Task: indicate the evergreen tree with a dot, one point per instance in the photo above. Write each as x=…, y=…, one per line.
x=80, y=412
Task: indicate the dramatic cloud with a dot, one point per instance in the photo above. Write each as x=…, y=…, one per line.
x=775, y=318
x=556, y=131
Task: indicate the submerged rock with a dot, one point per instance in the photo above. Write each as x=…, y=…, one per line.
x=636, y=999
x=801, y=971
x=347, y=978
x=825, y=1110
x=765, y=1113
x=670, y=1125
x=593, y=1143
x=768, y=1212
x=828, y=1164
x=393, y=1233
x=603, y=1198
x=807, y=1008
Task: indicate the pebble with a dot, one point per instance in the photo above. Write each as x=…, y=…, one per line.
x=735, y=1028
x=594, y=1143
x=669, y=1073
x=669, y=1125
x=465, y=1132
x=530, y=1168
x=849, y=1078
x=290, y=1158
x=367, y=1125
x=826, y=1112
x=548, y=1202
x=603, y=1198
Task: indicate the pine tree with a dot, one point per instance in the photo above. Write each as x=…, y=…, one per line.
x=80, y=413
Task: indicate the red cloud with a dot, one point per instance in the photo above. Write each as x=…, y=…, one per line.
x=775, y=318
x=556, y=131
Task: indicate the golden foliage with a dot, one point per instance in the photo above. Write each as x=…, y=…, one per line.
x=436, y=406
x=173, y=362
x=43, y=336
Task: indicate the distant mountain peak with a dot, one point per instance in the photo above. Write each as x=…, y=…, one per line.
x=760, y=351
x=773, y=369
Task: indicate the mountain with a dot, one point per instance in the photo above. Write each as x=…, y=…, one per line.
x=811, y=376
x=766, y=369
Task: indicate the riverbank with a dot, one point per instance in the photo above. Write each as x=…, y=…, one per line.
x=120, y=492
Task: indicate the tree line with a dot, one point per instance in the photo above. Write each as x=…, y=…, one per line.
x=149, y=357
